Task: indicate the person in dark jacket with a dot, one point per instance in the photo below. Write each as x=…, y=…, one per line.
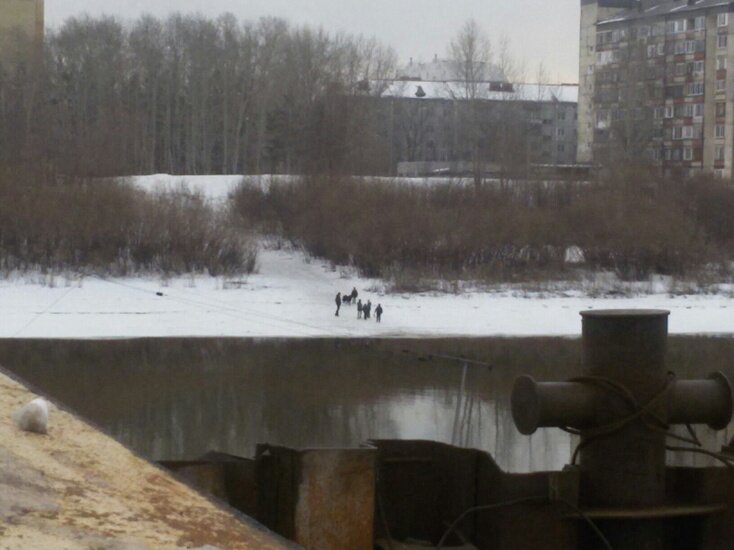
x=359, y=309
x=354, y=294
x=338, y=301
x=378, y=313
x=366, y=309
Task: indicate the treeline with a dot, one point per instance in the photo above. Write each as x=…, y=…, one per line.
x=192, y=95
x=634, y=226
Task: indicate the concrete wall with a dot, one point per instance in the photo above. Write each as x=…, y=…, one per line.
x=21, y=28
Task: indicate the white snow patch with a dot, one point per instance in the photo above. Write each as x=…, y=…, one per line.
x=33, y=416
x=293, y=296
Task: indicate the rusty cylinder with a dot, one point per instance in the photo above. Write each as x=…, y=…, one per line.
x=573, y=404
x=625, y=468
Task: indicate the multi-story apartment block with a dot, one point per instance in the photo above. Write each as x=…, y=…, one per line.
x=21, y=29
x=520, y=127
x=656, y=84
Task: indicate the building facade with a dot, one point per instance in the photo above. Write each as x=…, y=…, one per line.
x=21, y=29
x=656, y=84
x=433, y=128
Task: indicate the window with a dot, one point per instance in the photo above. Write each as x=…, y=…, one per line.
x=722, y=41
x=681, y=69
x=561, y=115
x=677, y=26
x=687, y=132
x=698, y=109
x=661, y=48
x=684, y=110
x=603, y=58
x=720, y=62
x=560, y=132
x=700, y=22
x=697, y=67
x=721, y=109
x=721, y=85
x=719, y=153
x=687, y=46
x=722, y=20
x=687, y=153
x=720, y=131
x=695, y=88
x=677, y=132
x=561, y=148
x=652, y=50
x=604, y=37
x=668, y=111
x=644, y=31
x=659, y=112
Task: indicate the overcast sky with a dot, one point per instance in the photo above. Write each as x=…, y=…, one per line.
x=539, y=30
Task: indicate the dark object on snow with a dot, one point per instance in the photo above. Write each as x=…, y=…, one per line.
x=360, y=308
x=338, y=301
x=366, y=309
x=354, y=294
x=378, y=312
x=159, y=294
x=347, y=299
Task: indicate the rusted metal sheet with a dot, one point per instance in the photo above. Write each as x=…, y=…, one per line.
x=323, y=499
x=423, y=486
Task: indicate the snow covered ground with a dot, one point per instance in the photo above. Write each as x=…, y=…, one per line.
x=291, y=296
x=218, y=188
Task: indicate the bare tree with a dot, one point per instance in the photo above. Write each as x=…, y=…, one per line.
x=470, y=55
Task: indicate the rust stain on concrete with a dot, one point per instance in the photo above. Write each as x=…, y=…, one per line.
x=78, y=488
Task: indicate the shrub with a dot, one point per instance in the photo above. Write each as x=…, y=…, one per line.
x=109, y=227
x=497, y=232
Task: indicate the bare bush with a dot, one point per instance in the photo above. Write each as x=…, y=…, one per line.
x=497, y=233
x=108, y=227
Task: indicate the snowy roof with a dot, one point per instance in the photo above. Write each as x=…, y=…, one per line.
x=443, y=69
x=672, y=7
x=426, y=89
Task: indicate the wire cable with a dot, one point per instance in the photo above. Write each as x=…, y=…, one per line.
x=524, y=500
x=41, y=313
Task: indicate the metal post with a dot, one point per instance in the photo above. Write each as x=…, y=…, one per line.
x=622, y=405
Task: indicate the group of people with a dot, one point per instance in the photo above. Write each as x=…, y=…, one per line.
x=364, y=311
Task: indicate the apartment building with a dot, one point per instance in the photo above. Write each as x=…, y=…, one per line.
x=521, y=127
x=656, y=84
x=21, y=29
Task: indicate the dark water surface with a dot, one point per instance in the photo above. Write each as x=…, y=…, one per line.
x=179, y=398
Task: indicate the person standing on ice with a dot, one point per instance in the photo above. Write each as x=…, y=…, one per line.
x=359, y=309
x=366, y=309
x=338, y=301
x=354, y=294
x=378, y=313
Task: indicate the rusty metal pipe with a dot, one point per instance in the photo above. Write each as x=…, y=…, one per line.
x=701, y=402
x=551, y=404
x=572, y=404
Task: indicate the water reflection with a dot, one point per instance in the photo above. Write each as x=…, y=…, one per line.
x=177, y=399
